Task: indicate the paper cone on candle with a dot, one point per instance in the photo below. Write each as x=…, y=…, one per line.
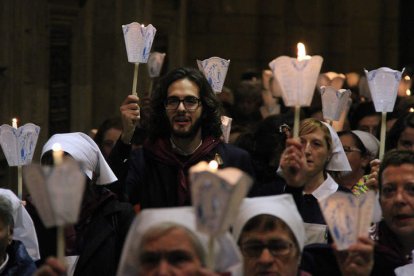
x=348, y=216
x=226, y=127
x=155, y=62
x=297, y=79
x=216, y=196
x=215, y=70
x=383, y=84
x=56, y=191
x=334, y=102
x=138, y=41
x=19, y=144
x=333, y=79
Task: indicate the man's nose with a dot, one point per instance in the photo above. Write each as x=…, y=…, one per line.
x=164, y=268
x=181, y=106
x=266, y=256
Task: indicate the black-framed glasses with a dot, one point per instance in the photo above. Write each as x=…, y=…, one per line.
x=350, y=149
x=190, y=103
x=254, y=249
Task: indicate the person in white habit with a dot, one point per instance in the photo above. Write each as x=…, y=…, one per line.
x=23, y=229
x=94, y=244
x=271, y=236
x=165, y=241
x=305, y=165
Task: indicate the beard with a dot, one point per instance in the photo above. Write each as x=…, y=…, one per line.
x=188, y=134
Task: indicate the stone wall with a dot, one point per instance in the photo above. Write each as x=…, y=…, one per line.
x=350, y=35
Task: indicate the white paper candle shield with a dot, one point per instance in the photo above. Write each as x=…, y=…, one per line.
x=155, y=62
x=19, y=144
x=138, y=41
x=297, y=78
x=383, y=84
x=333, y=79
x=348, y=216
x=216, y=197
x=56, y=191
x=215, y=70
x=334, y=102
x=226, y=127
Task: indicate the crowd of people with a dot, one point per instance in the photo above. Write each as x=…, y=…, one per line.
x=136, y=216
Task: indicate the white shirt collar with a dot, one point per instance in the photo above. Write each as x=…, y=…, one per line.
x=3, y=265
x=328, y=187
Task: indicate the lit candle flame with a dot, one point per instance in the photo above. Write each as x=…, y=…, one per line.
x=408, y=92
x=411, y=109
x=14, y=122
x=213, y=165
x=407, y=78
x=302, y=52
x=57, y=154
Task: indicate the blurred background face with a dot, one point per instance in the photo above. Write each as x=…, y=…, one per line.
x=353, y=153
x=109, y=140
x=271, y=252
x=406, y=140
x=397, y=199
x=370, y=124
x=170, y=254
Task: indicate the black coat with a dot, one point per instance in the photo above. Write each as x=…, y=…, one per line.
x=152, y=183
x=20, y=263
x=102, y=238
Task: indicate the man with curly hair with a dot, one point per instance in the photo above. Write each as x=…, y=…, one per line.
x=184, y=128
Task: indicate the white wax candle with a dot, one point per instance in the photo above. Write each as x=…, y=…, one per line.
x=14, y=122
x=57, y=154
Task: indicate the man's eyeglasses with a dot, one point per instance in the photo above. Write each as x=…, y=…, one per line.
x=190, y=103
x=350, y=149
x=253, y=249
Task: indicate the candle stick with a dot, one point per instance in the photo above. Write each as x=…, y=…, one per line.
x=151, y=84
x=383, y=129
x=210, y=255
x=57, y=154
x=296, y=122
x=60, y=243
x=134, y=83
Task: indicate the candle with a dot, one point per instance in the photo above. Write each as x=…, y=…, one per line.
x=408, y=92
x=57, y=154
x=14, y=122
x=302, y=52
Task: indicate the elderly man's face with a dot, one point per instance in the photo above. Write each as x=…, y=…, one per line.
x=171, y=254
x=397, y=199
x=269, y=253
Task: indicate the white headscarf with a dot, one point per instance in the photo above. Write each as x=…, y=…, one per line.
x=24, y=229
x=280, y=206
x=338, y=162
x=84, y=150
x=369, y=141
x=227, y=255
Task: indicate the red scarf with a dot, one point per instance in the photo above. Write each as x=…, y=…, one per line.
x=162, y=151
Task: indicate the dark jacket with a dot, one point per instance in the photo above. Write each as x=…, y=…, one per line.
x=151, y=183
x=388, y=251
x=102, y=237
x=20, y=263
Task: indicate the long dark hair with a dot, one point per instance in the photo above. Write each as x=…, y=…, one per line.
x=210, y=119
